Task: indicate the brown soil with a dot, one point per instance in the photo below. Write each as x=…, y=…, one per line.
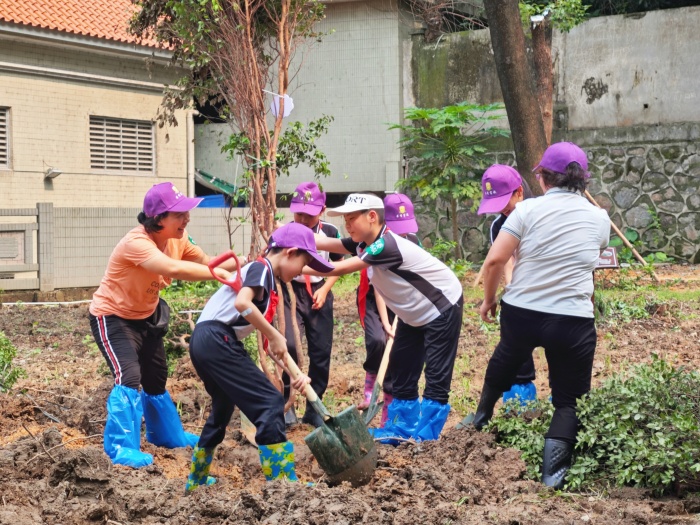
x=53, y=469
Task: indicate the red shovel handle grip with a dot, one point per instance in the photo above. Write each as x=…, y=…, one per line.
x=237, y=283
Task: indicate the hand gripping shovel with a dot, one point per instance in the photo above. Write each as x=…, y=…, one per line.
x=342, y=445
x=374, y=404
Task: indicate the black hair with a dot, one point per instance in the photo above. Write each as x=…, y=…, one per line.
x=574, y=178
x=527, y=192
x=380, y=214
x=152, y=224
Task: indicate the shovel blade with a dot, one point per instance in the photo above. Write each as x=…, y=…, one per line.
x=344, y=449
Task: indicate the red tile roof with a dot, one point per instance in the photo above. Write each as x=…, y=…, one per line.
x=106, y=19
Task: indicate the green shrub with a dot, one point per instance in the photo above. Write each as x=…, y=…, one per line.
x=640, y=429
x=9, y=374
x=525, y=431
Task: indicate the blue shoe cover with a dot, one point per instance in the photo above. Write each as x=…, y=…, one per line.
x=402, y=420
x=163, y=426
x=122, y=436
x=432, y=419
x=523, y=393
x=277, y=461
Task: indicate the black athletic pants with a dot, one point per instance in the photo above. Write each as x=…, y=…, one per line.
x=135, y=356
x=569, y=344
x=232, y=379
x=317, y=326
x=375, y=339
x=434, y=346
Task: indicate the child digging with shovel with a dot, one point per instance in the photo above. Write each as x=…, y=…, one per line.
x=427, y=298
x=230, y=376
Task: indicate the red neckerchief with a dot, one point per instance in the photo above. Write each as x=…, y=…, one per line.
x=272, y=303
x=363, y=289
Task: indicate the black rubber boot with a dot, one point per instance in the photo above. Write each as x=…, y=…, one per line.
x=484, y=412
x=290, y=417
x=557, y=461
x=311, y=417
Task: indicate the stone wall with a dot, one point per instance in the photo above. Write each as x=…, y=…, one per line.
x=653, y=189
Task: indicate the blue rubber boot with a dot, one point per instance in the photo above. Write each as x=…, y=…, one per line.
x=163, y=426
x=432, y=419
x=199, y=469
x=522, y=393
x=402, y=420
x=122, y=437
x=277, y=461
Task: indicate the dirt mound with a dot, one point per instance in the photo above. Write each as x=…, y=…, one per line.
x=462, y=478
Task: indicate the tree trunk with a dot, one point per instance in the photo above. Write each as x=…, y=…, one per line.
x=544, y=73
x=517, y=86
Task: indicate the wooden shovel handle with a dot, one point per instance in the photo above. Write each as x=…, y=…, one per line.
x=293, y=370
x=624, y=239
x=385, y=358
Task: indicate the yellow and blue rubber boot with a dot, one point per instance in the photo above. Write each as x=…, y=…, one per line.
x=277, y=461
x=199, y=469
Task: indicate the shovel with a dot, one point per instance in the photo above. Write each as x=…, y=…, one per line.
x=342, y=445
x=374, y=403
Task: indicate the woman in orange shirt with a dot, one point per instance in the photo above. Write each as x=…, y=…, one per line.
x=129, y=320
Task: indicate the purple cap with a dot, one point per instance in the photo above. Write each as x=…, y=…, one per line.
x=557, y=157
x=295, y=235
x=497, y=186
x=398, y=214
x=166, y=197
x=308, y=198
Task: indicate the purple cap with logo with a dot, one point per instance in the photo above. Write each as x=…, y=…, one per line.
x=398, y=214
x=166, y=197
x=497, y=186
x=557, y=157
x=295, y=235
x=308, y=198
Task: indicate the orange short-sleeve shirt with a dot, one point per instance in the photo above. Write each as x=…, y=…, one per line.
x=129, y=290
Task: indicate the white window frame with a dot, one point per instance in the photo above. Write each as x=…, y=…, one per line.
x=6, y=158
x=122, y=146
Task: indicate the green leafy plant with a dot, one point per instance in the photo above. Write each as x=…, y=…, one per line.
x=444, y=250
x=565, y=14
x=446, y=149
x=640, y=429
x=524, y=430
x=624, y=253
x=9, y=373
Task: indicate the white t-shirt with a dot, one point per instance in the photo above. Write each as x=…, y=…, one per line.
x=561, y=235
x=415, y=285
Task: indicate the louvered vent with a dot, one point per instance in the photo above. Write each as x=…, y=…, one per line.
x=121, y=145
x=4, y=138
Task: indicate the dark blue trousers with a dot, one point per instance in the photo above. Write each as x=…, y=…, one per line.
x=232, y=379
x=317, y=326
x=433, y=346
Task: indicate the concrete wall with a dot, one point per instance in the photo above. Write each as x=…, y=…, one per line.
x=626, y=91
x=621, y=71
x=49, y=125
x=46, y=247
x=354, y=75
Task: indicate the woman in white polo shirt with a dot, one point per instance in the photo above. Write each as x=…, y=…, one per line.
x=557, y=239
